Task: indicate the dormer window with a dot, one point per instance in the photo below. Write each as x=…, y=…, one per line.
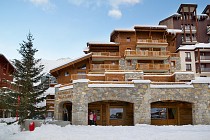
x=66, y=73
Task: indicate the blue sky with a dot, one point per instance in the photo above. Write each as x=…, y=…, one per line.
x=62, y=28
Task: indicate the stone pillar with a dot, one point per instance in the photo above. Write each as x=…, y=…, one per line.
x=201, y=108
x=80, y=113
x=142, y=113
x=80, y=102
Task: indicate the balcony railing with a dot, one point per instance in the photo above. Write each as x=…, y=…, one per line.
x=105, y=53
x=205, y=69
x=151, y=41
x=147, y=53
x=187, y=39
x=208, y=30
x=203, y=58
x=78, y=76
x=148, y=66
x=188, y=28
x=104, y=67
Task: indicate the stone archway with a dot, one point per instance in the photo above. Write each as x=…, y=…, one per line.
x=113, y=112
x=171, y=112
x=65, y=111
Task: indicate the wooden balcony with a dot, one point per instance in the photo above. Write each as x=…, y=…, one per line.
x=148, y=67
x=103, y=67
x=105, y=56
x=78, y=76
x=152, y=43
x=146, y=55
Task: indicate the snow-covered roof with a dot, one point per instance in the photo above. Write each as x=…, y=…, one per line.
x=50, y=91
x=71, y=61
x=51, y=64
x=124, y=30
x=108, y=43
x=151, y=26
x=174, y=31
x=196, y=46
x=66, y=87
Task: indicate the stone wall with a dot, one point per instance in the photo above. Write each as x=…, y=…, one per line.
x=142, y=94
x=184, y=76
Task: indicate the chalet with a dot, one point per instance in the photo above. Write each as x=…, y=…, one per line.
x=6, y=78
x=136, y=78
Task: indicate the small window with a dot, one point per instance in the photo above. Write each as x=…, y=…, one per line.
x=188, y=67
x=188, y=56
x=66, y=73
x=128, y=39
x=173, y=64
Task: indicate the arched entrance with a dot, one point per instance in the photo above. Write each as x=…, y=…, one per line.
x=66, y=108
x=171, y=112
x=112, y=112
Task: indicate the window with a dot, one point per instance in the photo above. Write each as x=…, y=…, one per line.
x=66, y=73
x=128, y=39
x=159, y=113
x=163, y=113
x=173, y=64
x=116, y=113
x=188, y=67
x=128, y=62
x=188, y=56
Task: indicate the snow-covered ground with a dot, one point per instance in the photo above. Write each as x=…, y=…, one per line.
x=138, y=132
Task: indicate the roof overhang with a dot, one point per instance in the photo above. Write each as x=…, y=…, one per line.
x=186, y=7
x=87, y=56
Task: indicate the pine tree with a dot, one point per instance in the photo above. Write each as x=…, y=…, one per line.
x=28, y=76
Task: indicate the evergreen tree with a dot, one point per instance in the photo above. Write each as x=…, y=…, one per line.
x=28, y=76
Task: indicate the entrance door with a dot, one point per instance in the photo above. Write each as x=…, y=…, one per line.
x=67, y=112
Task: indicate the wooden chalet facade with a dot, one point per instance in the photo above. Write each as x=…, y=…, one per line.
x=134, y=78
x=6, y=79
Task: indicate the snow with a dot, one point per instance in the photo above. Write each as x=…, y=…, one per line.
x=201, y=80
x=96, y=42
x=141, y=81
x=111, y=85
x=151, y=26
x=81, y=81
x=66, y=87
x=50, y=91
x=196, y=46
x=174, y=31
x=138, y=132
x=50, y=64
x=172, y=86
x=69, y=61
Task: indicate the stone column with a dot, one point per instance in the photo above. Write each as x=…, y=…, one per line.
x=80, y=113
x=201, y=108
x=142, y=113
x=80, y=103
